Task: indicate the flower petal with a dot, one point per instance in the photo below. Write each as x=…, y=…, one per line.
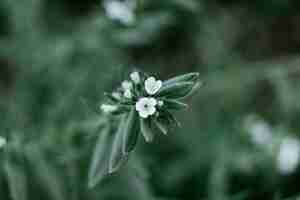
x=139, y=105
x=152, y=86
x=143, y=114
x=151, y=110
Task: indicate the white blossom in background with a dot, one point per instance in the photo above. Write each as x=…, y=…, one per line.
x=152, y=86
x=107, y=108
x=260, y=133
x=2, y=142
x=135, y=77
x=146, y=107
x=121, y=11
x=289, y=155
x=128, y=94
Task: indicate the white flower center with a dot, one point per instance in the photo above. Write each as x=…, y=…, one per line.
x=146, y=106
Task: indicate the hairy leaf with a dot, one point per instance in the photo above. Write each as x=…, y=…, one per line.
x=195, y=88
x=131, y=131
x=171, y=119
x=174, y=104
x=176, y=90
x=117, y=158
x=99, y=165
x=190, y=77
x=146, y=130
x=161, y=126
x=122, y=109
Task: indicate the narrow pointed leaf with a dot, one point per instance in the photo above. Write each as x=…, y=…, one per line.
x=146, y=130
x=174, y=104
x=99, y=165
x=176, y=90
x=182, y=78
x=131, y=131
x=121, y=109
x=117, y=158
x=195, y=88
x=161, y=126
x=171, y=119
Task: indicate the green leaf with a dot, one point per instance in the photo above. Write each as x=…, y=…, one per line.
x=17, y=180
x=146, y=130
x=99, y=165
x=131, y=131
x=117, y=158
x=121, y=109
x=176, y=90
x=174, y=104
x=190, y=77
x=171, y=118
x=195, y=88
x=161, y=126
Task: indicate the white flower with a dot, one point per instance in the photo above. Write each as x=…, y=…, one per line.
x=152, y=85
x=289, y=155
x=107, y=108
x=128, y=94
x=127, y=85
x=120, y=11
x=2, y=142
x=116, y=95
x=146, y=106
x=135, y=77
x=160, y=103
x=261, y=133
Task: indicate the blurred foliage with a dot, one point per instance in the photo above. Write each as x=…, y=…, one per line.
x=57, y=57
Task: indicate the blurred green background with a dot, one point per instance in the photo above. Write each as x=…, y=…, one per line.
x=57, y=57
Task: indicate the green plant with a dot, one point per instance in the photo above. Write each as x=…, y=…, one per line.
x=144, y=105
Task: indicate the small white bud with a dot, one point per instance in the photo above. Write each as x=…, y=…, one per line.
x=128, y=94
x=160, y=103
x=107, y=108
x=135, y=77
x=127, y=85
